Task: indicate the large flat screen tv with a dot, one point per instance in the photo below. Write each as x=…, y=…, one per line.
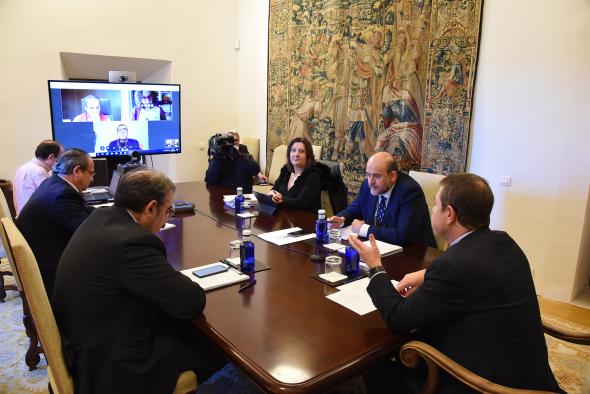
x=115, y=119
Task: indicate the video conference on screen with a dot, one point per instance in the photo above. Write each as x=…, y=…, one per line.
x=120, y=118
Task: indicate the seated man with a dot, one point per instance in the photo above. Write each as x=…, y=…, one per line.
x=29, y=176
x=122, y=142
x=390, y=205
x=477, y=300
x=92, y=111
x=124, y=313
x=55, y=211
x=228, y=167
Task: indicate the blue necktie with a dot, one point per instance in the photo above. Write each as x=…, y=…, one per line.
x=380, y=211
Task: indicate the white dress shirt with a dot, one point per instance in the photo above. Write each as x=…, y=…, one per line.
x=27, y=179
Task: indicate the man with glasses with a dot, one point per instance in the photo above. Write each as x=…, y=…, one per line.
x=124, y=313
x=55, y=210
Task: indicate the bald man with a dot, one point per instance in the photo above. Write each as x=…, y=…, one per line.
x=390, y=204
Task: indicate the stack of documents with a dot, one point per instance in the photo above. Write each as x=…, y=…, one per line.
x=354, y=296
x=282, y=237
x=211, y=282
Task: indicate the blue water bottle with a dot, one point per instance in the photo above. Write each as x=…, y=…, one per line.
x=351, y=261
x=321, y=228
x=247, y=253
x=239, y=201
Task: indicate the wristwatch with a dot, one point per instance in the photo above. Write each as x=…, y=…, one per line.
x=375, y=270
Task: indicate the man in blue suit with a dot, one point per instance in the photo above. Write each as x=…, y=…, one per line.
x=390, y=205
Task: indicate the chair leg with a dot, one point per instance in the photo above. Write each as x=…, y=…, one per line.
x=32, y=357
x=4, y=287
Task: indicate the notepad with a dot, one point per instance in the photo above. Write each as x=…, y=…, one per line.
x=222, y=279
x=282, y=237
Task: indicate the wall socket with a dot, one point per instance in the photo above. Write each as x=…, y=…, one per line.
x=505, y=180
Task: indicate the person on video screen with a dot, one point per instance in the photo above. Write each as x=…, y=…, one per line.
x=92, y=111
x=146, y=107
x=122, y=142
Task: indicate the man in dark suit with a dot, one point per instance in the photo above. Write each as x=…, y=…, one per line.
x=124, y=313
x=390, y=205
x=477, y=300
x=55, y=210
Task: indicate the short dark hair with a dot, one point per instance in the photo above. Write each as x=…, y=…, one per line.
x=471, y=198
x=137, y=188
x=71, y=158
x=308, y=152
x=47, y=148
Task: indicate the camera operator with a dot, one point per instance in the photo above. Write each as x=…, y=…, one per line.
x=230, y=166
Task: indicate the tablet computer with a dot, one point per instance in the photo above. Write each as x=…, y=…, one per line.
x=264, y=199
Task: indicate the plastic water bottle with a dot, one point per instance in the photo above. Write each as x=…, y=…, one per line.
x=239, y=201
x=321, y=228
x=351, y=261
x=247, y=253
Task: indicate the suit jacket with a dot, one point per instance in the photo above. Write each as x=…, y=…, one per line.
x=478, y=300
x=115, y=298
x=232, y=169
x=306, y=192
x=48, y=221
x=406, y=219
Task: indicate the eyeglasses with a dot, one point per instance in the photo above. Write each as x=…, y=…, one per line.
x=91, y=173
x=169, y=210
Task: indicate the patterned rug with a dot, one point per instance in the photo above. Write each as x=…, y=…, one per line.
x=568, y=361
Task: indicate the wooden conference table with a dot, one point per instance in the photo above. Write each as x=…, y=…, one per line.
x=282, y=332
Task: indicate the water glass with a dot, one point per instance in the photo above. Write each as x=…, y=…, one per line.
x=333, y=264
x=335, y=235
x=234, y=249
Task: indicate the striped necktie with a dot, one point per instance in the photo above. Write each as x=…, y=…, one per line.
x=380, y=211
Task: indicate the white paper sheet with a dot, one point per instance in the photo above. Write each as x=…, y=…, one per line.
x=281, y=237
x=354, y=296
x=226, y=278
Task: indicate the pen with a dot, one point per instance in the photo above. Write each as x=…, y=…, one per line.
x=247, y=286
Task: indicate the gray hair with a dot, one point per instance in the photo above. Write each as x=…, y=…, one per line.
x=69, y=160
x=138, y=188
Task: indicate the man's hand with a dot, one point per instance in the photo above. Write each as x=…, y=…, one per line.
x=262, y=177
x=336, y=221
x=410, y=282
x=369, y=254
x=356, y=225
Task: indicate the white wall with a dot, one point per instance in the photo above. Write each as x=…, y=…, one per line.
x=196, y=36
x=253, y=68
x=530, y=122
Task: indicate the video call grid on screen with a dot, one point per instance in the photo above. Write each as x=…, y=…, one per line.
x=113, y=119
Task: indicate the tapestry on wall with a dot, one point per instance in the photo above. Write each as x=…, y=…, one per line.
x=362, y=76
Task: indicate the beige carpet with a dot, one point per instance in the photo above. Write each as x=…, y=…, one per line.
x=15, y=377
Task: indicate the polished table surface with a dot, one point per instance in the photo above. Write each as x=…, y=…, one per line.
x=282, y=332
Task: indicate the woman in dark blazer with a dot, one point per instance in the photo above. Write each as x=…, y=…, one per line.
x=299, y=186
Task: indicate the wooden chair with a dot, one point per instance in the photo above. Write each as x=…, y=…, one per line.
x=430, y=183
x=5, y=269
x=436, y=360
x=60, y=380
